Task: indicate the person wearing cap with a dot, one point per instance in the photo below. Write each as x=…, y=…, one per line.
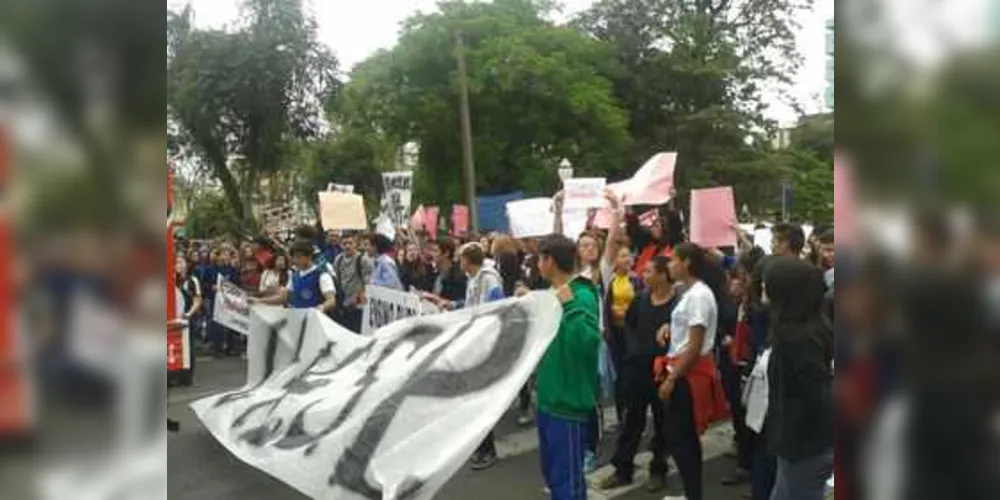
x=386, y=271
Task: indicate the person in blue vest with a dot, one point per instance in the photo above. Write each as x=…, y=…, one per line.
x=309, y=286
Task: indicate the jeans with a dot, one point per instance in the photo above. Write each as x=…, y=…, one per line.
x=803, y=479
x=639, y=396
x=683, y=441
x=561, y=445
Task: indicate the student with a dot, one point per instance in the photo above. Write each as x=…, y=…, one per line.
x=451, y=283
x=567, y=375
x=352, y=270
x=310, y=286
x=666, y=232
x=414, y=272
x=799, y=423
x=386, y=273
x=647, y=312
x=485, y=285
x=690, y=386
x=191, y=291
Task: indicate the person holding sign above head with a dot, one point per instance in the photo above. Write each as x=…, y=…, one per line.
x=310, y=285
x=567, y=375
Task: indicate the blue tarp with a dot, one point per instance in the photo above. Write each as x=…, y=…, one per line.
x=493, y=211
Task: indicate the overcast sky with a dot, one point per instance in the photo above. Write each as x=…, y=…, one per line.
x=356, y=28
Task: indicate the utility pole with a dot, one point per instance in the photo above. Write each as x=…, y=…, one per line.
x=467, y=157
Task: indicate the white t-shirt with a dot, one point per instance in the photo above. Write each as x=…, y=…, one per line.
x=697, y=307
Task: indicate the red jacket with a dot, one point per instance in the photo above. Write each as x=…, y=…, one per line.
x=708, y=398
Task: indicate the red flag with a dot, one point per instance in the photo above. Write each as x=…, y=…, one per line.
x=459, y=220
x=431, y=220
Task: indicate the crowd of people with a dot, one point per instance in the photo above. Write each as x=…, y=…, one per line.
x=692, y=335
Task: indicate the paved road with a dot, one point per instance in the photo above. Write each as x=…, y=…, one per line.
x=201, y=469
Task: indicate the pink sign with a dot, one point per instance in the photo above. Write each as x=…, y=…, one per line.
x=431, y=220
x=417, y=222
x=844, y=214
x=459, y=220
x=713, y=217
x=652, y=184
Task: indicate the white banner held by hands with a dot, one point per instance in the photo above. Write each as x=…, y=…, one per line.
x=584, y=192
x=232, y=307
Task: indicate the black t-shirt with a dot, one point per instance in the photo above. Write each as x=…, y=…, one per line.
x=642, y=320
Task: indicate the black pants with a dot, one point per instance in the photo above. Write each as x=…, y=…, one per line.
x=350, y=319
x=744, y=436
x=765, y=466
x=640, y=394
x=617, y=349
x=488, y=446
x=682, y=439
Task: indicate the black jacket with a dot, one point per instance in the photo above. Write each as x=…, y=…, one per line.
x=799, y=423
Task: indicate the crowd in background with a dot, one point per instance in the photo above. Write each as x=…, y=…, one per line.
x=681, y=331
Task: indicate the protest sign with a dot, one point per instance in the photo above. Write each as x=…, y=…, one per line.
x=713, y=217
x=652, y=184
x=531, y=218
x=418, y=222
x=574, y=222
x=431, y=215
x=584, y=193
x=390, y=416
x=232, y=307
x=762, y=238
x=844, y=212
x=340, y=188
x=339, y=211
x=397, y=191
x=459, y=220
x=386, y=305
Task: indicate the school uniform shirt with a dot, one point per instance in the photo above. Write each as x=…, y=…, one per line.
x=190, y=288
x=696, y=307
x=316, y=276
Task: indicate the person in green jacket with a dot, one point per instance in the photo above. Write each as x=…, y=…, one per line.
x=567, y=375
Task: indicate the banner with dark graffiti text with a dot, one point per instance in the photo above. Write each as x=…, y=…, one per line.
x=389, y=416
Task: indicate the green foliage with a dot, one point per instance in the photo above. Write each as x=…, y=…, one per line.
x=349, y=157
x=248, y=93
x=537, y=95
x=210, y=215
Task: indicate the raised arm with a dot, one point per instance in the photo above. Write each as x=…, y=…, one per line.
x=614, y=232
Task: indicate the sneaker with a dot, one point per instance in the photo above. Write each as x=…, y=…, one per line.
x=483, y=461
x=614, y=482
x=525, y=418
x=589, y=462
x=656, y=483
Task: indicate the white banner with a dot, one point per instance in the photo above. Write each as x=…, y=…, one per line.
x=392, y=416
x=232, y=307
x=584, y=192
x=386, y=305
x=530, y=218
x=397, y=192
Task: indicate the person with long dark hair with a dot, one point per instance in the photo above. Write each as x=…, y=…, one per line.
x=688, y=377
x=647, y=312
x=799, y=424
x=414, y=272
x=666, y=232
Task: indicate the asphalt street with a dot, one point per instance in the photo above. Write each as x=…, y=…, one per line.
x=201, y=469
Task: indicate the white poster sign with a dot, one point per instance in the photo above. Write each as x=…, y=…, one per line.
x=386, y=305
x=530, y=218
x=574, y=222
x=397, y=189
x=584, y=193
x=391, y=416
x=232, y=307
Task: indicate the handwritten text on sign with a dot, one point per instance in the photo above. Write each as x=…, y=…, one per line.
x=397, y=188
x=232, y=307
x=386, y=306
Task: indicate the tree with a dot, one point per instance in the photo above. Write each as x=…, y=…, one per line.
x=248, y=94
x=350, y=157
x=537, y=95
x=211, y=215
x=693, y=79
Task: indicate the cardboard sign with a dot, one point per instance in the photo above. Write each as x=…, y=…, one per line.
x=713, y=217
x=531, y=218
x=584, y=193
x=232, y=307
x=342, y=211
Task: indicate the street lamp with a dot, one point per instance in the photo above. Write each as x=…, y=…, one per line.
x=565, y=170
